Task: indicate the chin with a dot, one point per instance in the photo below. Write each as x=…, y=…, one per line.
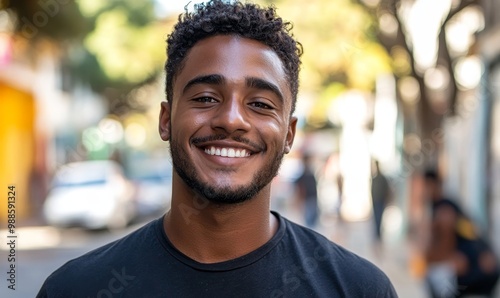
x=228, y=195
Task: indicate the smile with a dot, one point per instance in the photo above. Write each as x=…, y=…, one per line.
x=227, y=152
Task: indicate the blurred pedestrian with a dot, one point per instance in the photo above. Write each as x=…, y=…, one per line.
x=460, y=261
x=306, y=185
x=339, y=180
x=381, y=193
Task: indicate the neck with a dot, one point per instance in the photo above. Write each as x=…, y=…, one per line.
x=210, y=233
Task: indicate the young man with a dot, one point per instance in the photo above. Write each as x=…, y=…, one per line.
x=232, y=81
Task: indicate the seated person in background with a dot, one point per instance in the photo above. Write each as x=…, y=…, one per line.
x=456, y=250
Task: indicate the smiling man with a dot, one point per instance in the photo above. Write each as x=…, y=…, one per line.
x=232, y=82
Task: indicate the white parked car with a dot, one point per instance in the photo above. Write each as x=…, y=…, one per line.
x=152, y=179
x=90, y=194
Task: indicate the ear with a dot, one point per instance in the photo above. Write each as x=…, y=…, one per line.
x=164, y=123
x=290, y=135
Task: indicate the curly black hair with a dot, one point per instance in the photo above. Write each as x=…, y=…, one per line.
x=219, y=17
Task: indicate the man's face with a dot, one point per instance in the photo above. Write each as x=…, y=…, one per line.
x=431, y=190
x=229, y=121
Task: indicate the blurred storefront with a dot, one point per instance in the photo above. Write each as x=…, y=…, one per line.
x=470, y=160
x=32, y=106
x=19, y=154
x=490, y=91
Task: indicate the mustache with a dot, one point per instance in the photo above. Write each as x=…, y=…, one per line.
x=201, y=140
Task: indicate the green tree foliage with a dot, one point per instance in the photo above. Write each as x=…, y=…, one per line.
x=127, y=44
x=340, y=47
x=339, y=43
x=119, y=44
x=116, y=44
x=55, y=19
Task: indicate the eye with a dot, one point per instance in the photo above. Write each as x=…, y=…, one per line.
x=205, y=99
x=261, y=105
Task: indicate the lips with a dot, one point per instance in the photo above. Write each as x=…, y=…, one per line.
x=227, y=152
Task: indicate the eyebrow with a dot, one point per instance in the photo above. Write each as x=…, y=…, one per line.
x=264, y=85
x=212, y=79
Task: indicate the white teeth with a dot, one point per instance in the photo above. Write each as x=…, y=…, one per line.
x=227, y=152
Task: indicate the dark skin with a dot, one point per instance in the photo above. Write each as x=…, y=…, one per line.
x=443, y=238
x=234, y=87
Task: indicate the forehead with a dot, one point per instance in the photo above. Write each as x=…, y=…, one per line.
x=234, y=58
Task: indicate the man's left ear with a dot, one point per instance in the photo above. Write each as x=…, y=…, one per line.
x=290, y=136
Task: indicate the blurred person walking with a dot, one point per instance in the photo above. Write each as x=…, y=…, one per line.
x=307, y=191
x=459, y=260
x=381, y=194
x=339, y=180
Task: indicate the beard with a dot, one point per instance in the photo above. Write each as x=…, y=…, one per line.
x=222, y=195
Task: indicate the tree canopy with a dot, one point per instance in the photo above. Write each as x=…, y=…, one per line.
x=119, y=44
x=341, y=50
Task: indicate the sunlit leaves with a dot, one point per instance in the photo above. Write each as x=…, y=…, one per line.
x=340, y=49
x=126, y=53
x=338, y=43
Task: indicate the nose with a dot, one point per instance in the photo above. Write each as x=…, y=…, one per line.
x=231, y=116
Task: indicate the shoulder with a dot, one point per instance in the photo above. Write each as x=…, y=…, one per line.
x=99, y=265
x=331, y=263
x=317, y=246
x=128, y=244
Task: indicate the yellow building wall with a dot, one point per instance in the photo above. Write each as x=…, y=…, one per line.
x=17, y=116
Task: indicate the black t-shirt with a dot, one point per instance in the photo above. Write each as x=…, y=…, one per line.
x=296, y=262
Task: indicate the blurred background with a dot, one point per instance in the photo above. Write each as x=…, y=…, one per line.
x=414, y=84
